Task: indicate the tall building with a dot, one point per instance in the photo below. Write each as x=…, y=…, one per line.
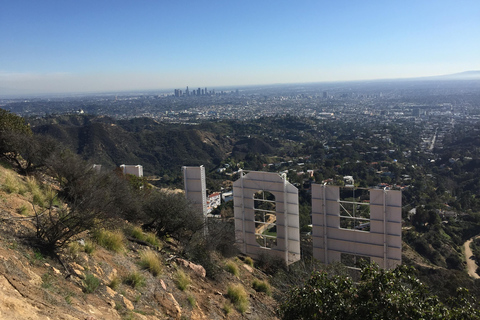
x=187, y=93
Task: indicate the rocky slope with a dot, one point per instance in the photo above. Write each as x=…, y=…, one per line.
x=36, y=286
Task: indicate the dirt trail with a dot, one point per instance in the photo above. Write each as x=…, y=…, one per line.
x=471, y=265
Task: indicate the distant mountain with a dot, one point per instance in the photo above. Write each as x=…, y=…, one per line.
x=467, y=75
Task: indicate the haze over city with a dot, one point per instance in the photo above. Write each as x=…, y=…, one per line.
x=91, y=46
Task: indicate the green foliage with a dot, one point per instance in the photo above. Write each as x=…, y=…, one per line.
x=261, y=286
x=149, y=261
x=137, y=233
x=227, y=308
x=151, y=238
x=115, y=283
x=380, y=294
x=47, y=280
x=90, y=283
x=111, y=240
x=12, y=122
x=232, y=268
x=249, y=261
x=74, y=248
x=92, y=200
x=135, y=279
x=236, y=293
x=170, y=214
x=182, y=280
x=89, y=247
x=23, y=210
x=192, y=301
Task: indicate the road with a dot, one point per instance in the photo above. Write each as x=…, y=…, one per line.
x=471, y=265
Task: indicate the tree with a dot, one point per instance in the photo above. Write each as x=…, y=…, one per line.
x=91, y=199
x=169, y=213
x=380, y=294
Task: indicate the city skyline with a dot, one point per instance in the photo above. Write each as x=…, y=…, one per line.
x=67, y=47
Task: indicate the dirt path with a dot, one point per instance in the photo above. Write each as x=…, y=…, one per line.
x=471, y=265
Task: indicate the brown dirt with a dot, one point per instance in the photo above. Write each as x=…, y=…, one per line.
x=33, y=286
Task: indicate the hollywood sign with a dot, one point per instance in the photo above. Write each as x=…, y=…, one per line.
x=348, y=224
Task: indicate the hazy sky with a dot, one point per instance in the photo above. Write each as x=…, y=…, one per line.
x=83, y=45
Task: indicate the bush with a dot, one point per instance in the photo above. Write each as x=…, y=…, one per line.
x=23, y=210
x=137, y=233
x=236, y=293
x=232, y=268
x=12, y=184
x=73, y=248
x=92, y=198
x=192, y=301
x=135, y=279
x=261, y=286
x=380, y=294
x=89, y=247
x=151, y=238
x=171, y=214
x=182, y=280
x=249, y=261
x=111, y=240
x=90, y=283
x=115, y=283
x=149, y=261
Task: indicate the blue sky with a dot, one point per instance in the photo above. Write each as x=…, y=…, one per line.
x=77, y=46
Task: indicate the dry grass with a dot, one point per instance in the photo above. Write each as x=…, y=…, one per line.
x=111, y=240
x=149, y=260
x=182, y=280
x=261, y=286
x=12, y=184
x=232, y=268
x=236, y=293
x=135, y=279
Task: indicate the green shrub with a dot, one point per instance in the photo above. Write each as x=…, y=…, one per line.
x=149, y=261
x=23, y=210
x=111, y=240
x=238, y=296
x=249, y=261
x=192, y=301
x=151, y=238
x=73, y=248
x=135, y=279
x=115, y=283
x=137, y=233
x=227, y=308
x=90, y=283
x=182, y=280
x=89, y=247
x=232, y=268
x=261, y=286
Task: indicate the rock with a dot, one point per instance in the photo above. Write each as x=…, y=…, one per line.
x=112, y=275
x=78, y=273
x=164, y=286
x=169, y=304
x=128, y=304
x=110, y=292
x=248, y=268
x=56, y=271
x=77, y=266
x=196, y=268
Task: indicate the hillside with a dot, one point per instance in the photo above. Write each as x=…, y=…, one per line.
x=89, y=281
x=138, y=141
